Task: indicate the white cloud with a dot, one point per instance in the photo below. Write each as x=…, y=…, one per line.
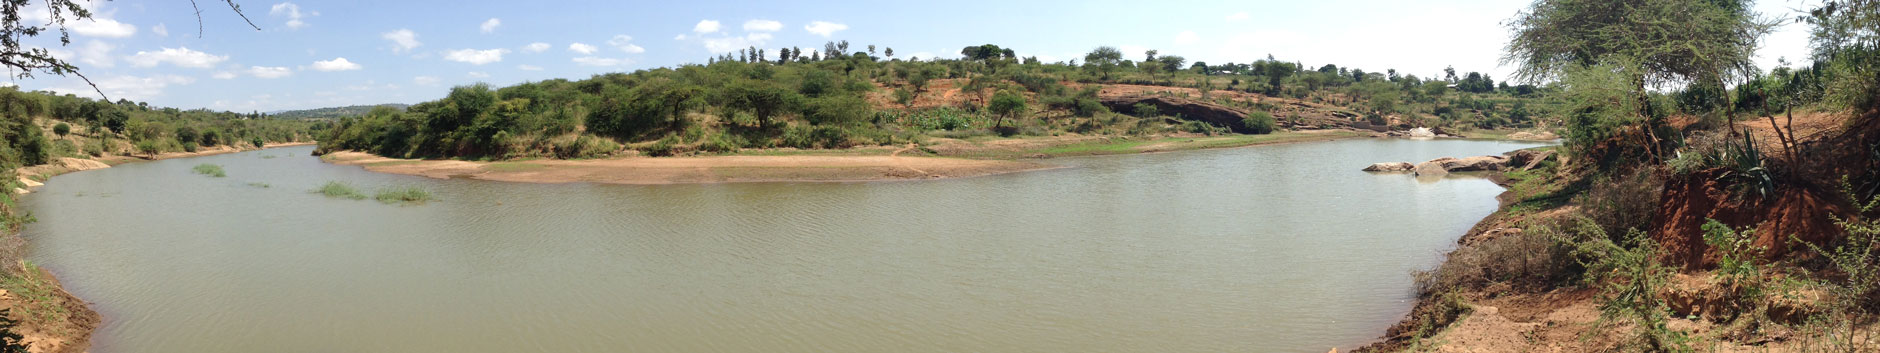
x=475, y=56
x=404, y=39
x=103, y=27
x=478, y=74
x=1187, y=37
x=337, y=64
x=1239, y=16
x=129, y=87
x=624, y=42
x=706, y=26
x=292, y=12
x=600, y=61
x=182, y=57
x=223, y=75
x=160, y=30
x=97, y=53
x=825, y=29
x=582, y=48
x=763, y=26
x=680, y=37
x=536, y=47
x=528, y=68
x=424, y=80
x=730, y=44
x=269, y=71
x=490, y=25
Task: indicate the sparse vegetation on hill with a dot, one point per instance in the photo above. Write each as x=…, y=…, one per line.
x=332, y=112
x=835, y=99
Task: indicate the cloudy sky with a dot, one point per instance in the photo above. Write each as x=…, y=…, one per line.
x=312, y=53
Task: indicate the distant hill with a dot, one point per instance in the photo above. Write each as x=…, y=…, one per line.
x=333, y=112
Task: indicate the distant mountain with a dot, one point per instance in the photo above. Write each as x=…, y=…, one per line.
x=333, y=112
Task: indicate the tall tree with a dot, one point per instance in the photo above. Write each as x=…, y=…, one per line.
x=1103, y=59
x=1649, y=42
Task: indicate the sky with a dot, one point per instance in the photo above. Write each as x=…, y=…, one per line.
x=313, y=54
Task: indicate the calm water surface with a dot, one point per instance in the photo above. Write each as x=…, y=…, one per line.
x=1283, y=248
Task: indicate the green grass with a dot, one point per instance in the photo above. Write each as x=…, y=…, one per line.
x=210, y=170
x=39, y=295
x=260, y=185
x=267, y=156
x=404, y=196
x=336, y=189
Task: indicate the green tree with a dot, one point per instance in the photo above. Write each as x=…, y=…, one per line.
x=1846, y=35
x=761, y=98
x=62, y=129
x=1006, y=105
x=1103, y=60
x=1651, y=42
x=187, y=133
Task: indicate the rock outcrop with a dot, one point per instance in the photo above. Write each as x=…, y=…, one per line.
x=1390, y=167
x=1433, y=168
x=1517, y=160
x=1185, y=108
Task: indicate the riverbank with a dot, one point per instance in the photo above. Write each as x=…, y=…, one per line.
x=940, y=159
x=1558, y=266
x=50, y=319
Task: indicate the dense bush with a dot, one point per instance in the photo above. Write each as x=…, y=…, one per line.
x=1259, y=123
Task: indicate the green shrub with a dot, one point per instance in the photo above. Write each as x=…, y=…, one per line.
x=1146, y=110
x=189, y=146
x=62, y=129
x=1259, y=123
x=722, y=143
x=336, y=189
x=585, y=146
x=403, y=196
x=904, y=96
x=210, y=170
x=664, y=147
x=95, y=149
x=148, y=147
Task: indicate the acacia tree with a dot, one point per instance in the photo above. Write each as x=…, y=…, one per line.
x=1650, y=43
x=1006, y=104
x=1103, y=60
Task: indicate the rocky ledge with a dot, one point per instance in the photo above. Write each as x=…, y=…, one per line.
x=1517, y=160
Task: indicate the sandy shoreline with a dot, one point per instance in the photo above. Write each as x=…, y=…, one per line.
x=692, y=170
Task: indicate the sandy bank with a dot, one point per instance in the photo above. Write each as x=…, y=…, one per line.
x=692, y=170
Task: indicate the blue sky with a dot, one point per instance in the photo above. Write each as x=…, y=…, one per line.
x=312, y=54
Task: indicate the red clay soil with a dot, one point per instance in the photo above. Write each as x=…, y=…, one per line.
x=1692, y=200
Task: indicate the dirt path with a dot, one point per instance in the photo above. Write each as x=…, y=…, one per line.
x=693, y=170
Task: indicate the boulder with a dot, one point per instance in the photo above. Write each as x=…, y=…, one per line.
x=1422, y=132
x=1433, y=168
x=1391, y=167
x=1475, y=164
x=1527, y=159
x=30, y=183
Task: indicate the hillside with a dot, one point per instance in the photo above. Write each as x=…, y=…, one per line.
x=334, y=112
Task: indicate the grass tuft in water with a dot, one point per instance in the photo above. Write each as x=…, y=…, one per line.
x=340, y=190
x=404, y=195
x=210, y=170
x=260, y=185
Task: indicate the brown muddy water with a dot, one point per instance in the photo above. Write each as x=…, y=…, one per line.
x=1285, y=248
